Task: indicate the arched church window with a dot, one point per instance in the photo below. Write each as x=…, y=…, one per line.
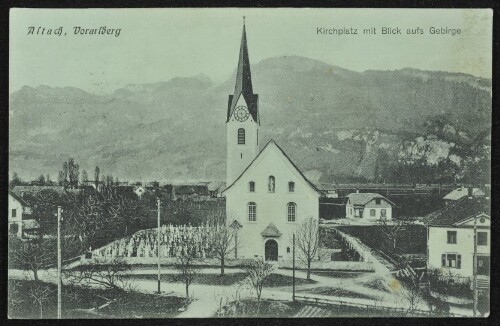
x=252, y=211
x=291, y=211
x=251, y=186
x=241, y=136
x=271, y=184
x=291, y=186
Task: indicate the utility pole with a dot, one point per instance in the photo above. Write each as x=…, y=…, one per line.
x=158, y=246
x=474, y=280
x=59, y=262
x=293, y=267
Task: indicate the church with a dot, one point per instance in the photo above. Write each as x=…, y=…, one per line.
x=267, y=196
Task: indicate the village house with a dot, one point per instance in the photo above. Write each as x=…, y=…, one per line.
x=19, y=210
x=194, y=192
x=368, y=206
x=460, y=193
x=450, y=237
x=216, y=188
x=22, y=190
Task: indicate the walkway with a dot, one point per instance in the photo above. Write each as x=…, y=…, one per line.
x=209, y=298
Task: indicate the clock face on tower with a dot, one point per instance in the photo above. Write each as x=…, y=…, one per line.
x=241, y=113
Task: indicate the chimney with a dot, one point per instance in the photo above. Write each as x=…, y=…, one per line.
x=470, y=192
x=357, y=190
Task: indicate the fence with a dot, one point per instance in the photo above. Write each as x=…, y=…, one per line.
x=390, y=310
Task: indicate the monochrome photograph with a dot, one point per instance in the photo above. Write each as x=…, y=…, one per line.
x=249, y=163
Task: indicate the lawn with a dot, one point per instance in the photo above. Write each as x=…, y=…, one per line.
x=273, y=280
x=78, y=302
x=335, y=292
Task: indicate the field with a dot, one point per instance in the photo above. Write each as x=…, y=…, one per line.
x=273, y=280
x=79, y=303
x=411, y=240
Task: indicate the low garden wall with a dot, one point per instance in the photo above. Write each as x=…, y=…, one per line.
x=357, y=266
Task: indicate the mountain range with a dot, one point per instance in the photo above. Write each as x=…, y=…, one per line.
x=337, y=125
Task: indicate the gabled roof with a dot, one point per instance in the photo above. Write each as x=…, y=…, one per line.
x=19, y=199
x=216, y=185
x=243, y=85
x=236, y=225
x=364, y=197
x=286, y=156
x=271, y=231
x=462, y=192
x=191, y=190
x=458, y=212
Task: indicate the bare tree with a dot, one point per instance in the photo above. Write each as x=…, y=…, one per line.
x=40, y=294
x=258, y=270
x=85, y=176
x=101, y=272
x=16, y=181
x=391, y=229
x=41, y=180
x=186, y=269
x=307, y=237
x=61, y=178
x=96, y=177
x=410, y=290
x=31, y=254
x=14, y=295
x=223, y=243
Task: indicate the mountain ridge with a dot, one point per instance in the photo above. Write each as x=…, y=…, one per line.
x=179, y=124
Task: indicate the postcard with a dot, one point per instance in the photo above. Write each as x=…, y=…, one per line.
x=249, y=162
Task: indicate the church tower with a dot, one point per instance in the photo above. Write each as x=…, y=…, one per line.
x=242, y=123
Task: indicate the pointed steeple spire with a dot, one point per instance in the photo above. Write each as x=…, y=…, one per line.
x=243, y=85
x=243, y=74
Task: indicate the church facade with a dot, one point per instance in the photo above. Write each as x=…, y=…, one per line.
x=267, y=196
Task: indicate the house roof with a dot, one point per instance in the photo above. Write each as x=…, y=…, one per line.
x=30, y=224
x=289, y=160
x=459, y=211
x=236, y=225
x=462, y=192
x=271, y=231
x=363, y=198
x=216, y=185
x=36, y=189
x=19, y=199
x=243, y=85
x=191, y=190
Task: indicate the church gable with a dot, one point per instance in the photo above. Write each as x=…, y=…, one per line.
x=273, y=163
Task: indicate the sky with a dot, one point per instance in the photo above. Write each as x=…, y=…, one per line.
x=160, y=44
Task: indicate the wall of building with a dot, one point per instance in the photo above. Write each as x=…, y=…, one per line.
x=437, y=245
x=239, y=156
x=350, y=210
x=16, y=205
x=271, y=207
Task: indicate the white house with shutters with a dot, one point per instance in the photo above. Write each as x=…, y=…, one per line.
x=450, y=237
x=368, y=206
x=18, y=211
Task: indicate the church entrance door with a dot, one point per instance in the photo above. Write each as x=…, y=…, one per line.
x=271, y=250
